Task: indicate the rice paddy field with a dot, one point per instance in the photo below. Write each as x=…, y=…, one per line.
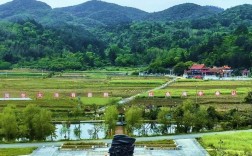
x=225, y=101
x=118, y=85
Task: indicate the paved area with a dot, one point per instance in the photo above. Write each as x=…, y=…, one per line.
x=189, y=147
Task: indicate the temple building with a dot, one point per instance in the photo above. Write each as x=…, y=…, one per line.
x=200, y=71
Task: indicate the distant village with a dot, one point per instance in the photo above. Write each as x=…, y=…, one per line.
x=200, y=71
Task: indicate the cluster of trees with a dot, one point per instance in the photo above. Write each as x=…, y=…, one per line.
x=29, y=44
x=191, y=117
x=188, y=117
x=33, y=123
x=133, y=118
x=169, y=45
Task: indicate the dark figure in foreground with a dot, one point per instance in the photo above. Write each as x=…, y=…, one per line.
x=122, y=145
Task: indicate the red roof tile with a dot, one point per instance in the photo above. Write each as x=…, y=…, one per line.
x=198, y=66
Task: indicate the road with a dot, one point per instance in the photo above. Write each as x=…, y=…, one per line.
x=170, y=137
x=129, y=99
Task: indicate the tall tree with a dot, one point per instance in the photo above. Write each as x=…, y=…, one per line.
x=164, y=117
x=8, y=122
x=111, y=117
x=133, y=118
x=29, y=113
x=42, y=124
x=190, y=117
x=38, y=122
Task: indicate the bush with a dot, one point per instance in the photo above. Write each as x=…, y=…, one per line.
x=248, y=98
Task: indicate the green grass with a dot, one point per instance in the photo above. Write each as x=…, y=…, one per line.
x=230, y=144
x=137, y=81
x=16, y=151
x=99, y=101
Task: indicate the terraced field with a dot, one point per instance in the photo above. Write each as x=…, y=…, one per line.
x=192, y=87
x=117, y=87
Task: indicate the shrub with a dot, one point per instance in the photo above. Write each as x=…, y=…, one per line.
x=248, y=98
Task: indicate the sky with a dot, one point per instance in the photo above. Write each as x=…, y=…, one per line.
x=148, y=5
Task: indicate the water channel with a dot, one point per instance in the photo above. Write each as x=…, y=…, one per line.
x=77, y=131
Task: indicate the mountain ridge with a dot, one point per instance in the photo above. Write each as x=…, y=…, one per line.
x=184, y=11
x=94, y=12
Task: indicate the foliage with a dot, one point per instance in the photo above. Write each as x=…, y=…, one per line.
x=38, y=123
x=33, y=123
x=248, y=98
x=190, y=117
x=8, y=124
x=83, y=37
x=111, y=117
x=133, y=118
x=164, y=117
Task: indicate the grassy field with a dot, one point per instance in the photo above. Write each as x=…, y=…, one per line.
x=237, y=144
x=16, y=151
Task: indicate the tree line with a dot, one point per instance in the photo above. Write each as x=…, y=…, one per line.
x=187, y=117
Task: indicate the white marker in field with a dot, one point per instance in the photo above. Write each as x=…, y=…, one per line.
x=168, y=94
x=90, y=95
x=40, y=95
x=6, y=95
x=56, y=95
x=73, y=95
x=233, y=93
x=23, y=95
x=200, y=93
x=217, y=93
x=105, y=94
x=184, y=94
x=151, y=94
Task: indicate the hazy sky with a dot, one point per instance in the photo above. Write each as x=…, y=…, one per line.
x=149, y=5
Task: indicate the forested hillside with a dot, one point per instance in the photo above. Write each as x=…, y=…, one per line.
x=29, y=44
x=184, y=12
x=96, y=34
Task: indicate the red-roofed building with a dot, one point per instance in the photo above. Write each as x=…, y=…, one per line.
x=200, y=71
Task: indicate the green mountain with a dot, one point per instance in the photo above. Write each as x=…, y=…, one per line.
x=185, y=11
x=24, y=9
x=96, y=34
x=102, y=13
x=236, y=15
x=90, y=8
